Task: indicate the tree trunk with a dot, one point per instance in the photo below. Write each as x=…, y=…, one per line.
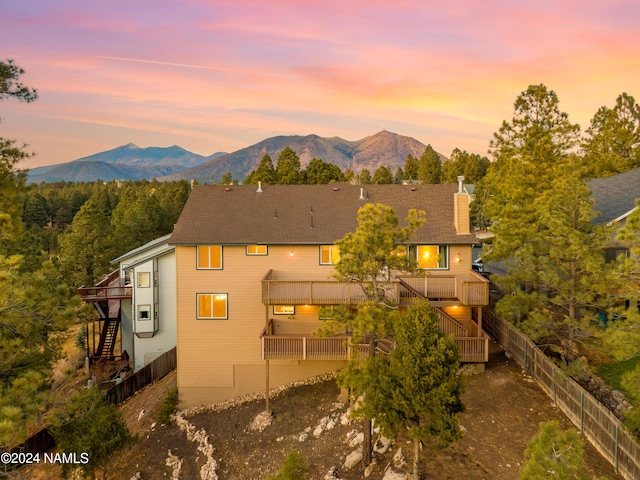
x=416, y=459
x=366, y=443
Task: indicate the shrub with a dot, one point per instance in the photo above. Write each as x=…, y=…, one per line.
x=169, y=406
x=555, y=453
x=92, y=429
x=294, y=468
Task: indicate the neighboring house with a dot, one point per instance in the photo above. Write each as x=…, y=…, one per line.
x=138, y=301
x=615, y=198
x=254, y=265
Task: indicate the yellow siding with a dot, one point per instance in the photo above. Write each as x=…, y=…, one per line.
x=219, y=359
x=212, y=352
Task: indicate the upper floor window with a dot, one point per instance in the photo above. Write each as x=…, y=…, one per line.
x=212, y=306
x=432, y=256
x=329, y=254
x=256, y=250
x=144, y=279
x=209, y=257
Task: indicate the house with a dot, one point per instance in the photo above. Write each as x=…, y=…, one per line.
x=254, y=265
x=135, y=306
x=615, y=198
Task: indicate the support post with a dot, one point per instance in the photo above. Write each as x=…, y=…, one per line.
x=266, y=390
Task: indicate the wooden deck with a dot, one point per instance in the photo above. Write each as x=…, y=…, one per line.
x=307, y=346
x=471, y=290
x=107, y=289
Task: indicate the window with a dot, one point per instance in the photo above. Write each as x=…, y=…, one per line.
x=615, y=255
x=284, y=309
x=212, y=306
x=329, y=254
x=144, y=279
x=432, y=256
x=210, y=257
x=144, y=312
x=256, y=250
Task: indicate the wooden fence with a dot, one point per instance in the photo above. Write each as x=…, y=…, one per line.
x=42, y=441
x=595, y=422
x=148, y=374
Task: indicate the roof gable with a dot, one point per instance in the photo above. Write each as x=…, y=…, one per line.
x=615, y=196
x=307, y=214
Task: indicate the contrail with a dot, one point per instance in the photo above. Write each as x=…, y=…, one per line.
x=165, y=63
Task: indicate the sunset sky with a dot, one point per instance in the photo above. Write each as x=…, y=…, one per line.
x=212, y=75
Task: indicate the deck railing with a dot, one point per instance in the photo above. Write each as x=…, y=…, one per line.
x=106, y=289
x=471, y=290
x=449, y=325
x=337, y=347
x=319, y=292
x=92, y=294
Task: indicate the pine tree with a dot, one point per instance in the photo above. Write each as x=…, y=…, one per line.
x=429, y=166
x=417, y=387
x=612, y=144
x=555, y=454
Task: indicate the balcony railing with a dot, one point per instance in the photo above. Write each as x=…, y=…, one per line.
x=319, y=292
x=107, y=289
x=311, y=347
x=471, y=289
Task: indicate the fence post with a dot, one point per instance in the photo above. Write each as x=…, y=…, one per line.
x=617, y=445
x=581, y=412
x=553, y=375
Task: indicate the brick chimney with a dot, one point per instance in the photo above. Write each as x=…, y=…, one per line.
x=461, y=202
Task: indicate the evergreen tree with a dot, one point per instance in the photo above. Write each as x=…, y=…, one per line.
x=471, y=165
x=84, y=252
x=288, y=170
x=382, y=176
x=320, y=172
x=265, y=173
x=410, y=168
x=542, y=218
x=526, y=149
x=12, y=180
x=555, y=454
x=612, y=144
x=417, y=387
x=398, y=177
x=429, y=166
x=87, y=424
x=364, y=177
x=367, y=255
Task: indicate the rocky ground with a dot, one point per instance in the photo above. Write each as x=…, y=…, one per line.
x=234, y=441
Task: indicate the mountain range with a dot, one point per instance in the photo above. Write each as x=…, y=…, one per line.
x=130, y=162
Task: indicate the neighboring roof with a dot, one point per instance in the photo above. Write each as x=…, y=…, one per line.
x=615, y=196
x=307, y=214
x=158, y=254
x=147, y=246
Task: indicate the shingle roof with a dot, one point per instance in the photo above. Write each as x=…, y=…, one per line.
x=616, y=195
x=307, y=214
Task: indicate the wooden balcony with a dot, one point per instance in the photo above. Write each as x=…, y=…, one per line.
x=107, y=289
x=471, y=289
x=307, y=346
x=318, y=292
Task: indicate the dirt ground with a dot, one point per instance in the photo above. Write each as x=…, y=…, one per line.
x=503, y=412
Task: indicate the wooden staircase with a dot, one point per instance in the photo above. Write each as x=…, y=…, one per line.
x=448, y=325
x=108, y=336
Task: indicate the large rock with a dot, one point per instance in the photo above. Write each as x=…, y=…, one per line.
x=353, y=459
